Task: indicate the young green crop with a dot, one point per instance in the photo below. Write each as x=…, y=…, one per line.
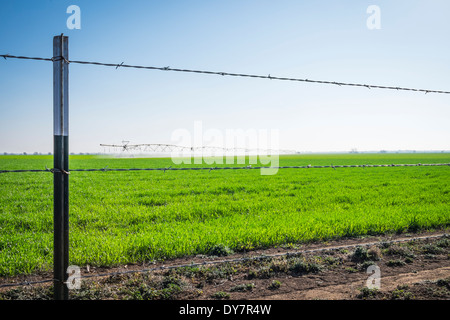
x=125, y=217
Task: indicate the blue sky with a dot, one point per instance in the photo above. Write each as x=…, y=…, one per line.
x=323, y=40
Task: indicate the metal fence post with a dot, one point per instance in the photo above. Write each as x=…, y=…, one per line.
x=61, y=166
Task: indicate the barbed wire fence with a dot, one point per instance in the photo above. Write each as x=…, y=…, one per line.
x=219, y=73
x=249, y=167
x=64, y=62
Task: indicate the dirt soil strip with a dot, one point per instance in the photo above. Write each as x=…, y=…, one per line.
x=346, y=291
x=201, y=260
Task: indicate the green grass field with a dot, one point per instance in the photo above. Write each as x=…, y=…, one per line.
x=126, y=217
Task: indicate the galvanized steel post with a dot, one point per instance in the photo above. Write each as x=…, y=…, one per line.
x=61, y=166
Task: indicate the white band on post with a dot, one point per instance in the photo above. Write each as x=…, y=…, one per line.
x=61, y=86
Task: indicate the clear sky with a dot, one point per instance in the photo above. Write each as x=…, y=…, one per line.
x=321, y=40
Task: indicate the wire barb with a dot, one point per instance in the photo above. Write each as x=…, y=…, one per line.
x=51, y=170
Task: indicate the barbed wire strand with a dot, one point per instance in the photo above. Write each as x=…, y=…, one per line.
x=26, y=283
x=245, y=259
x=105, y=169
x=270, y=77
